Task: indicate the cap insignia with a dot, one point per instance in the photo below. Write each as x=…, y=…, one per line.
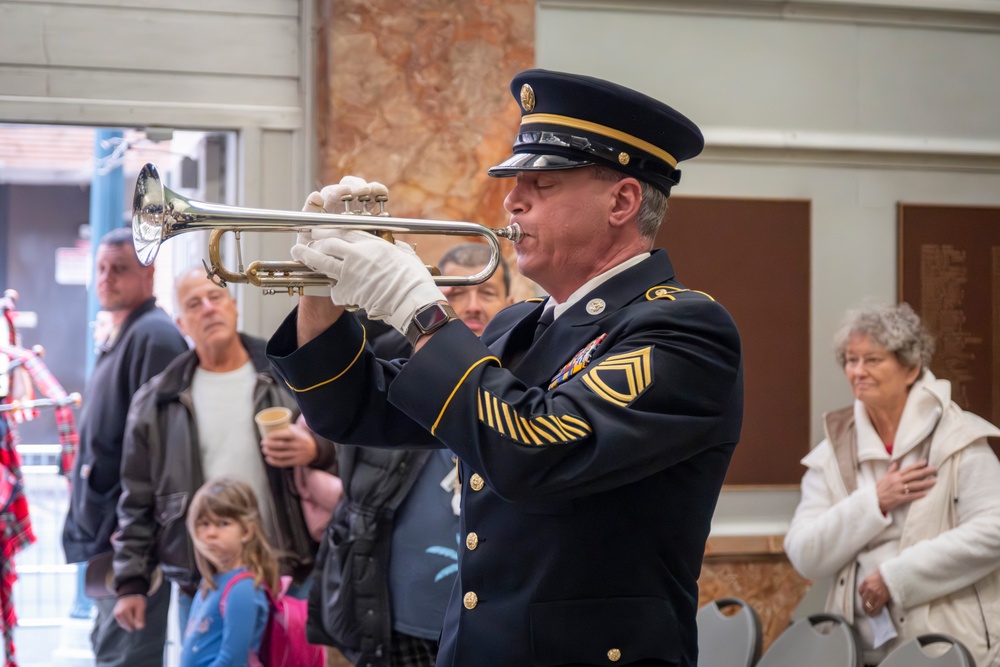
x=527, y=98
x=623, y=158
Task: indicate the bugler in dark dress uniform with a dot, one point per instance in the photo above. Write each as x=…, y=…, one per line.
x=590, y=460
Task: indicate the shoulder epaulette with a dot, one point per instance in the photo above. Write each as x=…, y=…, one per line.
x=671, y=293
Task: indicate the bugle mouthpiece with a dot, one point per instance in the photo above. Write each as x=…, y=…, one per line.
x=512, y=232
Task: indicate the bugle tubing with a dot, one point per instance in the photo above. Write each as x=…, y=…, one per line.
x=159, y=214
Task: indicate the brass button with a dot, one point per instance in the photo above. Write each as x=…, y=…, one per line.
x=614, y=655
x=470, y=600
x=472, y=541
x=476, y=482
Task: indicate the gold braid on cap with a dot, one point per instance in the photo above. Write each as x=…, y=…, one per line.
x=587, y=126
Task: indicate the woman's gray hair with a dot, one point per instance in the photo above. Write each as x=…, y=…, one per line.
x=653, y=207
x=896, y=328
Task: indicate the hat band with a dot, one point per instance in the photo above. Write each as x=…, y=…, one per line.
x=587, y=126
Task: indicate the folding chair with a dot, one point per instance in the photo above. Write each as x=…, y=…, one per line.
x=819, y=640
x=726, y=640
x=915, y=653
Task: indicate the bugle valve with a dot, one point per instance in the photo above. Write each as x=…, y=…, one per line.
x=159, y=214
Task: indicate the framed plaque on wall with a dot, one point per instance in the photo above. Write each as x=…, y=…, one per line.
x=949, y=272
x=752, y=255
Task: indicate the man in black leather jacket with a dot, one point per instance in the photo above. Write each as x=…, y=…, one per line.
x=170, y=450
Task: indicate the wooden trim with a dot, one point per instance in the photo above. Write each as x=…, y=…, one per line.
x=744, y=545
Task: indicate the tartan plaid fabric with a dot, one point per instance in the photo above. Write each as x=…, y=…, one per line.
x=15, y=534
x=409, y=651
x=68, y=438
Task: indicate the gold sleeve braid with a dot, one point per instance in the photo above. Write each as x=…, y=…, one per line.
x=465, y=375
x=364, y=338
x=547, y=429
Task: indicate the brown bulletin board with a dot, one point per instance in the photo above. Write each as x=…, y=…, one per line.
x=752, y=255
x=949, y=272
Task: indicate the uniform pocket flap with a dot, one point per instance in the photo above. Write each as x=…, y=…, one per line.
x=603, y=632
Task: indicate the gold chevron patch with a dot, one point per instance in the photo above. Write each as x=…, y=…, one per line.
x=539, y=430
x=621, y=378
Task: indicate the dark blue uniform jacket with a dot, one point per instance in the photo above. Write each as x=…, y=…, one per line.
x=590, y=463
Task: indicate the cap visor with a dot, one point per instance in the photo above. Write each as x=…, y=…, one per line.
x=534, y=162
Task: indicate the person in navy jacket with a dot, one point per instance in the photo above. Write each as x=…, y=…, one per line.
x=591, y=450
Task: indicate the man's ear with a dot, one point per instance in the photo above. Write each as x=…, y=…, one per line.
x=627, y=195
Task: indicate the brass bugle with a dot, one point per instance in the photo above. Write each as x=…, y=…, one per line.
x=159, y=214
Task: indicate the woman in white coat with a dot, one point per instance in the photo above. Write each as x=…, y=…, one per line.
x=901, y=502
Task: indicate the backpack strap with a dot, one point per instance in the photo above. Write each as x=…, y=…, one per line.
x=245, y=574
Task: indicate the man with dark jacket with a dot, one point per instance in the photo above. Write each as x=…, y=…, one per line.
x=142, y=343
x=192, y=422
x=400, y=520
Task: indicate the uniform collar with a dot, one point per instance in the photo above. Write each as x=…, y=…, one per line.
x=578, y=326
x=594, y=283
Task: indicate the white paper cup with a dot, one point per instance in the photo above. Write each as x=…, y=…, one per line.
x=272, y=419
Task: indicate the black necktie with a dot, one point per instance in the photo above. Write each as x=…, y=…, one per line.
x=544, y=321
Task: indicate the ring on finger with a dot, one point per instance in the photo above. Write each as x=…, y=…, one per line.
x=906, y=489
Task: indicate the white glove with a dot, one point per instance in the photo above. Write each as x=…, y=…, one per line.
x=388, y=281
x=331, y=200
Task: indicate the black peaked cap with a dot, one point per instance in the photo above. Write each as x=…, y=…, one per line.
x=571, y=120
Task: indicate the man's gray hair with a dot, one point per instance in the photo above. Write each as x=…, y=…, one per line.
x=896, y=328
x=200, y=269
x=653, y=207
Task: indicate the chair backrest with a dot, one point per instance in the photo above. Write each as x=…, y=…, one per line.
x=728, y=640
x=819, y=640
x=949, y=652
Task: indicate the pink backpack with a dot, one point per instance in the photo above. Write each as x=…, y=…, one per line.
x=284, y=642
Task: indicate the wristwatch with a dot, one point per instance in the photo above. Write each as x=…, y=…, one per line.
x=429, y=319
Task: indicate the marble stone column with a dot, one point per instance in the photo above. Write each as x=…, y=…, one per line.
x=414, y=94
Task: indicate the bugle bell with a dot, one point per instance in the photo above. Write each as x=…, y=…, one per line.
x=159, y=214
